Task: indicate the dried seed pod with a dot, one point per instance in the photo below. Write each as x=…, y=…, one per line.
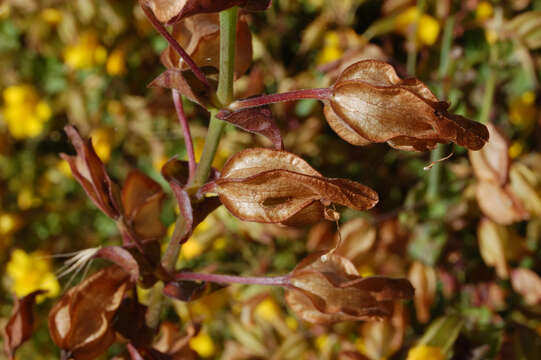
x=20, y=325
x=199, y=35
x=274, y=186
x=81, y=322
x=370, y=103
x=171, y=11
x=326, y=288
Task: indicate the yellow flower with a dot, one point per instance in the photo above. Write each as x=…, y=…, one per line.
x=428, y=28
x=321, y=341
x=267, y=309
x=101, y=140
x=222, y=154
x=516, y=149
x=292, y=323
x=159, y=162
x=31, y=272
x=116, y=63
x=26, y=199
x=425, y=352
x=24, y=112
x=203, y=344
x=484, y=11
x=51, y=16
x=191, y=249
x=9, y=223
x=86, y=53
x=331, y=50
x=522, y=110
x=64, y=168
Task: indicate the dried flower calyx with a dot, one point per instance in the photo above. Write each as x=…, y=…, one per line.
x=274, y=186
x=370, y=103
x=81, y=322
x=326, y=288
x=171, y=11
x=137, y=206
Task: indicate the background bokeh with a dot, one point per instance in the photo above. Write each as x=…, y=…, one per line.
x=88, y=63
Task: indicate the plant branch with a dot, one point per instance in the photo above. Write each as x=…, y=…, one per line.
x=177, y=99
x=320, y=94
x=175, y=45
x=230, y=279
x=228, y=35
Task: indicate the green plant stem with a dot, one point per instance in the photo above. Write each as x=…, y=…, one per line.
x=488, y=97
x=412, y=39
x=228, y=26
x=434, y=177
x=228, y=34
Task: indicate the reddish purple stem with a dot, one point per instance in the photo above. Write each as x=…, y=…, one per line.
x=229, y=279
x=320, y=94
x=185, y=131
x=175, y=45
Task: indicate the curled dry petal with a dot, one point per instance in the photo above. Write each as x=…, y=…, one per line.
x=171, y=11
x=199, y=36
x=257, y=120
x=21, y=323
x=491, y=163
x=528, y=284
x=81, y=322
x=89, y=171
x=424, y=279
x=370, y=103
x=274, y=186
x=186, y=84
x=326, y=288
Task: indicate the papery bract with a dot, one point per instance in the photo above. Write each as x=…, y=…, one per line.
x=274, y=186
x=199, y=35
x=326, y=288
x=527, y=283
x=492, y=162
x=20, y=325
x=80, y=323
x=90, y=172
x=370, y=103
x=171, y=11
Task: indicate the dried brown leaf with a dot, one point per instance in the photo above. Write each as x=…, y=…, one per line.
x=526, y=185
x=498, y=244
x=326, y=288
x=358, y=237
x=492, y=162
x=20, y=325
x=500, y=203
x=424, y=280
x=186, y=84
x=527, y=283
x=80, y=323
x=370, y=103
x=257, y=120
x=273, y=186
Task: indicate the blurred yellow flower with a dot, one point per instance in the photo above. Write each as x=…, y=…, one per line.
x=86, y=53
x=9, y=223
x=267, y=309
x=30, y=272
x=159, y=162
x=116, y=63
x=26, y=199
x=24, y=112
x=51, y=16
x=428, y=28
x=425, y=352
x=516, y=149
x=203, y=344
x=292, y=323
x=484, y=11
x=321, y=341
x=522, y=110
x=101, y=140
x=331, y=48
x=64, y=168
x=222, y=154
